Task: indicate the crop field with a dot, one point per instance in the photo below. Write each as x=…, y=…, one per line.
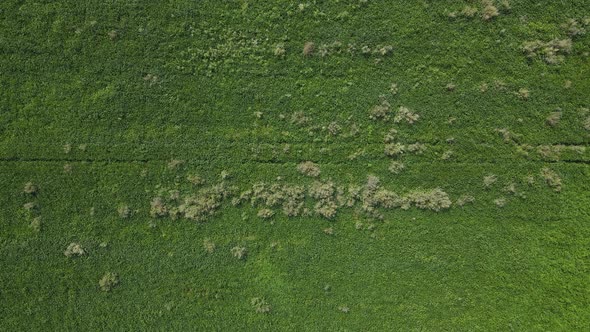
x=343, y=165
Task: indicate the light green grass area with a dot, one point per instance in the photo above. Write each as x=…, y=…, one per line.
x=108, y=110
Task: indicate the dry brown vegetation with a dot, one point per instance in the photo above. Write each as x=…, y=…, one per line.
x=552, y=179
x=552, y=52
x=239, y=252
x=489, y=180
x=124, y=211
x=405, y=114
x=308, y=48
x=396, y=167
x=553, y=118
x=108, y=281
x=209, y=246
x=30, y=188
x=309, y=168
x=74, y=249
x=260, y=305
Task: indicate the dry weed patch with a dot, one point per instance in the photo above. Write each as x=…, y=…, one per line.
x=74, y=249
x=108, y=281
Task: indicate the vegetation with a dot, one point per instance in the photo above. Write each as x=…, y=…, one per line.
x=351, y=165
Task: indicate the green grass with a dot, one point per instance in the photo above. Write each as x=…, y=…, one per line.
x=64, y=80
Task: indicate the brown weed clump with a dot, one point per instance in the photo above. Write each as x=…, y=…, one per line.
x=290, y=198
x=74, y=249
x=36, y=224
x=260, y=305
x=500, y=202
x=405, y=114
x=396, y=167
x=265, y=213
x=552, y=52
x=308, y=48
x=124, y=211
x=158, y=208
x=108, y=281
x=209, y=246
x=309, y=168
x=30, y=188
x=553, y=119
x=489, y=11
x=489, y=180
x=433, y=199
x=552, y=179
x=239, y=252
x=465, y=199
x=380, y=111
x=205, y=203
x=324, y=192
x=394, y=149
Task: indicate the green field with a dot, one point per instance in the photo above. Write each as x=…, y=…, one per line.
x=345, y=165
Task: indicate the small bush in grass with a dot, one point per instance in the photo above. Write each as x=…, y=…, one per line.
x=587, y=124
x=239, y=252
x=308, y=48
x=174, y=164
x=67, y=148
x=450, y=87
x=489, y=180
x=574, y=28
x=326, y=208
x=417, y=148
x=265, y=213
x=299, y=119
x=68, y=168
x=108, y=281
x=344, y=309
x=74, y=249
x=390, y=136
x=447, y=155
x=396, y=167
x=552, y=179
x=405, y=114
x=260, y=305
x=209, y=246
x=30, y=188
x=334, y=128
x=124, y=211
x=552, y=52
x=329, y=231
x=322, y=190
x=553, y=119
x=309, y=168
x=393, y=89
x=433, y=199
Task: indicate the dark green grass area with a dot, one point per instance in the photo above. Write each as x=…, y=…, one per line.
x=116, y=90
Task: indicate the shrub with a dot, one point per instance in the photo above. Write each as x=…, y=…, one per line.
x=239, y=252
x=321, y=190
x=334, y=128
x=447, y=155
x=67, y=148
x=30, y=189
x=393, y=89
x=587, y=123
x=68, y=168
x=299, y=118
x=405, y=114
x=205, y=203
x=344, y=309
x=390, y=136
x=552, y=52
x=279, y=50
x=31, y=207
x=329, y=231
x=523, y=93
x=309, y=168
x=74, y=249
x=417, y=148
x=573, y=28
x=326, y=208
x=260, y=305
x=396, y=167
x=552, y=179
x=175, y=163
x=450, y=87
x=308, y=48
x=108, y=281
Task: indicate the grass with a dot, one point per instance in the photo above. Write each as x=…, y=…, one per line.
x=151, y=135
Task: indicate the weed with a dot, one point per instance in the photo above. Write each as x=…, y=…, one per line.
x=390, y=136
x=433, y=199
x=108, y=281
x=489, y=180
x=465, y=199
x=393, y=89
x=30, y=188
x=239, y=252
x=489, y=11
x=396, y=167
x=381, y=111
x=36, y=224
x=329, y=231
x=174, y=164
x=334, y=128
x=344, y=309
x=450, y=87
x=308, y=48
x=405, y=114
x=553, y=119
x=523, y=93
x=195, y=180
x=31, y=207
x=67, y=148
x=417, y=148
x=552, y=52
x=124, y=211
x=158, y=208
x=394, y=149
x=209, y=246
x=260, y=305
x=326, y=208
x=500, y=202
x=552, y=179
x=280, y=50
x=309, y=168
x=74, y=249
x=447, y=155
x=265, y=213
x=586, y=123
x=67, y=168
x=574, y=28
x=299, y=119
x=469, y=11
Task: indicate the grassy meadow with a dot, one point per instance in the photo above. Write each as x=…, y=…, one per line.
x=345, y=165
